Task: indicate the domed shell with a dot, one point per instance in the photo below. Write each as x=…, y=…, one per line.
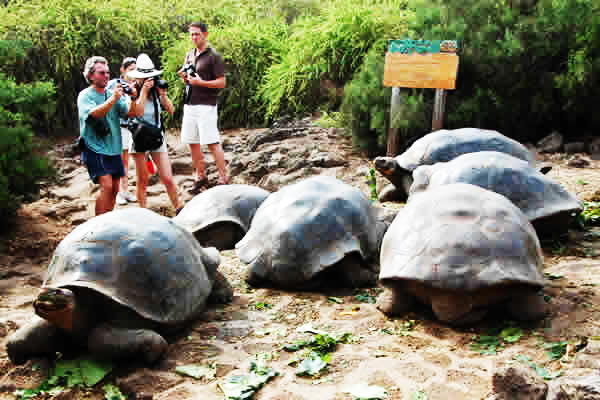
x=537, y=195
x=306, y=227
x=221, y=205
x=445, y=145
x=140, y=259
x=460, y=236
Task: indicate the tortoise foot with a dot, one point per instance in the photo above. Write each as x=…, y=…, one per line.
x=456, y=310
x=528, y=307
x=113, y=342
x=38, y=337
x=392, y=302
x=222, y=292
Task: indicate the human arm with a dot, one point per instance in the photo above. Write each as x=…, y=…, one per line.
x=144, y=94
x=165, y=101
x=102, y=109
x=218, y=83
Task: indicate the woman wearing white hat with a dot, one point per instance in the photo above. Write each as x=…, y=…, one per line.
x=151, y=100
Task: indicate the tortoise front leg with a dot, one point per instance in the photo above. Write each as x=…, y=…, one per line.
x=113, y=342
x=37, y=338
x=221, y=292
x=394, y=301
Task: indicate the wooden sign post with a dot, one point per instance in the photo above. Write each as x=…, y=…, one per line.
x=431, y=64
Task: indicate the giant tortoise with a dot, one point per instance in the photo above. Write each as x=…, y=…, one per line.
x=462, y=249
x=315, y=232
x=220, y=216
x=441, y=146
x=548, y=206
x=116, y=283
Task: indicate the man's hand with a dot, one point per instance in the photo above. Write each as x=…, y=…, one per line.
x=118, y=92
x=196, y=80
x=182, y=75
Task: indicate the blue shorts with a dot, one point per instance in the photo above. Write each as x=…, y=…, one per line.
x=99, y=165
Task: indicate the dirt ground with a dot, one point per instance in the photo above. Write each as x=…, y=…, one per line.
x=414, y=357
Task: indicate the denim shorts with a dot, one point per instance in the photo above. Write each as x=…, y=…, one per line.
x=99, y=164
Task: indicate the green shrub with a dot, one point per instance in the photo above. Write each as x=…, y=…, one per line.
x=21, y=165
x=366, y=107
x=330, y=46
x=524, y=71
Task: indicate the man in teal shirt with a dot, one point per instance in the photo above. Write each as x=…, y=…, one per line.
x=99, y=113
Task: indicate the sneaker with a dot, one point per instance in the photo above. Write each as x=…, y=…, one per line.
x=129, y=197
x=120, y=199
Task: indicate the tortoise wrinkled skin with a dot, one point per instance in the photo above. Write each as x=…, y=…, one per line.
x=445, y=145
x=307, y=228
x=220, y=216
x=545, y=202
x=461, y=249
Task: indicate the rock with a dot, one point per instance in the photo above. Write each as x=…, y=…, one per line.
x=578, y=162
x=574, y=147
x=589, y=357
x=551, y=143
x=518, y=383
x=575, y=388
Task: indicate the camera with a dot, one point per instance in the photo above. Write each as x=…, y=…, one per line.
x=125, y=86
x=189, y=69
x=160, y=83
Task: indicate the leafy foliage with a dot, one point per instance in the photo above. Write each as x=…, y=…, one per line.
x=242, y=387
x=590, y=215
x=69, y=373
x=21, y=166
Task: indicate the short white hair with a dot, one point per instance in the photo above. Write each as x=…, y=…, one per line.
x=90, y=66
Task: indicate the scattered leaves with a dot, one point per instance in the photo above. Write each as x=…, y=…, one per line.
x=243, y=387
x=197, y=371
x=261, y=306
x=312, y=365
x=69, y=373
x=541, y=371
x=363, y=391
x=419, y=395
x=112, y=392
x=335, y=300
x=555, y=350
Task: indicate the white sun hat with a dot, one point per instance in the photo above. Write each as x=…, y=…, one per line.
x=144, y=68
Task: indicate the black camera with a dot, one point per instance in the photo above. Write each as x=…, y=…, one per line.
x=125, y=86
x=160, y=83
x=189, y=69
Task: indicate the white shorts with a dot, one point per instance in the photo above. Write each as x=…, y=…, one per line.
x=126, y=138
x=200, y=124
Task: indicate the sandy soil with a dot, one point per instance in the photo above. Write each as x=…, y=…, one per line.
x=410, y=357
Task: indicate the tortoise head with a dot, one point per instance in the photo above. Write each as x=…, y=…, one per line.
x=386, y=165
x=56, y=306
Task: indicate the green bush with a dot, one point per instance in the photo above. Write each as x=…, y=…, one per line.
x=524, y=71
x=366, y=107
x=330, y=46
x=21, y=165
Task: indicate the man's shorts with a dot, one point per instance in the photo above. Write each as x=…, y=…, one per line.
x=200, y=124
x=126, y=138
x=99, y=165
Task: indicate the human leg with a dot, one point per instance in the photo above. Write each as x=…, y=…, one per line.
x=105, y=201
x=142, y=178
x=190, y=135
x=198, y=162
x=217, y=151
x=161, y=159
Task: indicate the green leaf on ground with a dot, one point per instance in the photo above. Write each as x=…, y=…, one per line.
x=243, y=387
x=420, y=395
x=555, y=350
x=363, y=391
x=197, y=371
x=511, y=334
x=335, y=300
x=312, y=365
x=112, y=392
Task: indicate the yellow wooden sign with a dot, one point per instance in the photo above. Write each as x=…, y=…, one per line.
x=431, y=70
